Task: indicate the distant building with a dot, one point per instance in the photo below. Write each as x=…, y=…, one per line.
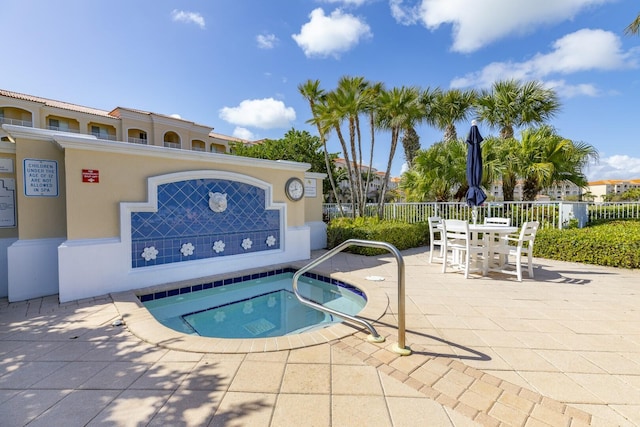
x=602, y=188
x=120, y=124
x=375, y=183
x=560, y=191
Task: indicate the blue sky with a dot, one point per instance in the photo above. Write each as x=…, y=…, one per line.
x=235, y=64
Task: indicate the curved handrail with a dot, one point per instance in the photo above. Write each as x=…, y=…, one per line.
x=401, y=303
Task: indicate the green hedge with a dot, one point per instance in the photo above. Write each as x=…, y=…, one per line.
x=614, y=244
x=400, y=234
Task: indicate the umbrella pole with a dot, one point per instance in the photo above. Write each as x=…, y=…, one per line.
x=474, y=214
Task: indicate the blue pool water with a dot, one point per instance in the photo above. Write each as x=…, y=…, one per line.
x=255, y=308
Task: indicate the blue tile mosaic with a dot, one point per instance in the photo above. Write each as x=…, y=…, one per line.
x=240, y=279
x=184, y=228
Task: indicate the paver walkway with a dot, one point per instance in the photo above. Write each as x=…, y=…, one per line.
x=562, y=349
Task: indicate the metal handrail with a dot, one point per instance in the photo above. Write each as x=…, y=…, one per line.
x=375, y=337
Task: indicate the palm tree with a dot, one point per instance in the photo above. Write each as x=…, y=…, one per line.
x=511, y=104
x=371, y=93
x=450, y=107
x=545, y=158
x=314, y=94
x=347, y=102
x=437, y=172
x=399, y=109
x=634, y=27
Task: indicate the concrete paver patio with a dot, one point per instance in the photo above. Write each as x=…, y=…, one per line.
x=562, y=349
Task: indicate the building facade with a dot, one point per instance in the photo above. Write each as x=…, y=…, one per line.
x=601, y=189
x=94, y=202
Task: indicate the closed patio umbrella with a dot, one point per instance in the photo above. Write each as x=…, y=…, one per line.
x=475, y=196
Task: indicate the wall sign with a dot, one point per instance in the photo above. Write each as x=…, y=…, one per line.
x=6, y=165
x=91, y=176
x=7, y=202
x=40, y=178
x=310, y=187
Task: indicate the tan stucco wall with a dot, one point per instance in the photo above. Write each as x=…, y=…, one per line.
x=313, y=205
x=93, y=210
x=40, y=217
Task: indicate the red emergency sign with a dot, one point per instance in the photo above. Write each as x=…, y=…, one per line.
x=91, y=175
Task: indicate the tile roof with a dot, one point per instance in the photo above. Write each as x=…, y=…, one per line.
x=56, y=104
x=635, y=181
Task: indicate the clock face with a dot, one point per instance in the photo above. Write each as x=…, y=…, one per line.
x=294, y=189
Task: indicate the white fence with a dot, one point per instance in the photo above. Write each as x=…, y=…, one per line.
x=549, y=214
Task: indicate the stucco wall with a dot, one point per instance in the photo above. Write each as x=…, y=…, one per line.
x=93, y=209
x=77, y=244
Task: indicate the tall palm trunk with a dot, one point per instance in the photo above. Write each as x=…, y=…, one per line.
x=530, y=189
x=509, y=181
x=350, y=171
x=395, y=131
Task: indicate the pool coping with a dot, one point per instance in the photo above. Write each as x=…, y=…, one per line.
x=143, y=325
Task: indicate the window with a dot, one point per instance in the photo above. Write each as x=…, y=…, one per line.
x=95, y=130
x=54, y=123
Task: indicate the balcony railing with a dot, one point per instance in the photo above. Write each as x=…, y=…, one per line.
x=105, y=136
x=5, y=121
x=59, y=129
x=172, y=144
x=198, y=149
x=137, y=140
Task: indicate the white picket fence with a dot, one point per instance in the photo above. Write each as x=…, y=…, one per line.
x=549, y=214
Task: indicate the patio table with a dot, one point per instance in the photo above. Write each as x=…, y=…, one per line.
x=490, y=234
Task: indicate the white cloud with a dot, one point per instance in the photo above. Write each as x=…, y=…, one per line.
x=188, y=17
x=175, y=116
x=565, y=90
x=266, y=41
x=243, y=133
x=331, y=35
x=477, y=23
x=583, y=50
x=266, y=113
x=405, y=15
x=615, y=167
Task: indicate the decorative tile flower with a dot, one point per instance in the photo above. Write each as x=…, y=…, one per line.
x=271, y=241
x=218, y=246
x=149, y=253
x=187, y=249
x=219, y=316
x=246, y=243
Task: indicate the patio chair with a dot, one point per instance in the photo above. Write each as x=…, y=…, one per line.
x=493, y=220
x=464, y=250
x=436, y=236
x=517, y=246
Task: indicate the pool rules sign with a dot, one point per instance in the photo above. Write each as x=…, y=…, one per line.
x=40, y=178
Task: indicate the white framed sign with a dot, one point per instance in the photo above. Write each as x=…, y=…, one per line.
x=7, y=202
x=6, y=165
x=310, y=187
x=40, y=178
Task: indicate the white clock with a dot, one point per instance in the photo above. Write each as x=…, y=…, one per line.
x=294, y=189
